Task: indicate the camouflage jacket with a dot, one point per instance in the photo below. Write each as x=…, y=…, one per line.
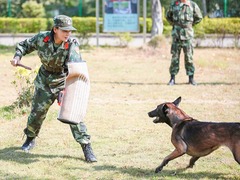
x=52, y=72
x=183, y=16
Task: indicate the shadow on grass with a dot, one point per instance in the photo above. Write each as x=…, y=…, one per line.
x=142, y=83
x=146, y=173
x=17, y=155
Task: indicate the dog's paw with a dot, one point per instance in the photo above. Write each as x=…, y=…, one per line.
x=189, y=166
x=158, y=169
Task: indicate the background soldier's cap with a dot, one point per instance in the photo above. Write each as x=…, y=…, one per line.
x=63, y=22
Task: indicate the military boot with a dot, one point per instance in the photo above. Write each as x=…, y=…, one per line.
x=28, y=144
x=172, y=80
x=191, y=80
x=88, y=153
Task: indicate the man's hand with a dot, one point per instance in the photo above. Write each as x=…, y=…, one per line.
x=15, y=61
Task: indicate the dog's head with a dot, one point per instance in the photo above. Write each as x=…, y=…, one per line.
x=160, y=113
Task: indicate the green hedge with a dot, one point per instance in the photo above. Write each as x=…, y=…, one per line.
x=88, y=25
x=221, y=25
x=22, y=25
x=84, y=25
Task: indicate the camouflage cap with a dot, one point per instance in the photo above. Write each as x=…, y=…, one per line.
x=63, y=22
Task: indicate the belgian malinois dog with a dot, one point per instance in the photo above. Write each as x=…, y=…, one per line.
x=193, y=137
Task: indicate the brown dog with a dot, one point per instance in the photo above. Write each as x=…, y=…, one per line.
x=194, y=137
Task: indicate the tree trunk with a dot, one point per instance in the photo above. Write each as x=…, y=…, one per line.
x=204, y=7
x=157, y=22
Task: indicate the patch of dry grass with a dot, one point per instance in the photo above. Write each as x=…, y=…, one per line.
x=126, y=84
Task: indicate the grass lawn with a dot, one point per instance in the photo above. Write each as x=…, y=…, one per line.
x=126, y=83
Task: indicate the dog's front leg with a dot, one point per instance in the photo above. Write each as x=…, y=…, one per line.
x=176, y=153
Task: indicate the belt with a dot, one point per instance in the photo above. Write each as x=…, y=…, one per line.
x=53, y=70
x=183, y=25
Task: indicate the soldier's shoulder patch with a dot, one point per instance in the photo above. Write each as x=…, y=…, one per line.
x=45, y=36
x=66, y=45
x=46, y=39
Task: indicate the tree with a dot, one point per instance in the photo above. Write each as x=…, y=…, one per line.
x=157, y=21
x=32, y=9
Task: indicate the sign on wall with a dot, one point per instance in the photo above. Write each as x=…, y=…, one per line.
x=121, y=16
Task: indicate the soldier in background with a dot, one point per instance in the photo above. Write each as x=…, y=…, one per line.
x=54, y=50
x=183, y=15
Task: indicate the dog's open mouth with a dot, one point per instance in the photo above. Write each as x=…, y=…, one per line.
x=156, y=120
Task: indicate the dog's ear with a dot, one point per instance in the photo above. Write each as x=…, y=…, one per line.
x=177, y=101
x=165, y=109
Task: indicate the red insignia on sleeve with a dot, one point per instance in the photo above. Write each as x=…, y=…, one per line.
x=66, y=45
x=46, y=39
x=177, y=3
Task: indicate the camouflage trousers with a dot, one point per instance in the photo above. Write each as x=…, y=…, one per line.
x=42, y=100
x=187, y=47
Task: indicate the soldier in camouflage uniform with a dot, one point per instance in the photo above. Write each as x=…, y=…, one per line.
x=54, y=48
x=182, y=15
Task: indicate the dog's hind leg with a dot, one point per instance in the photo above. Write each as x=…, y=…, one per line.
x=170, y=157
x=192, y=161
x=236, y=153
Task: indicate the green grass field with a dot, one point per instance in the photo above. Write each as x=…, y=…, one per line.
x=126, y=83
